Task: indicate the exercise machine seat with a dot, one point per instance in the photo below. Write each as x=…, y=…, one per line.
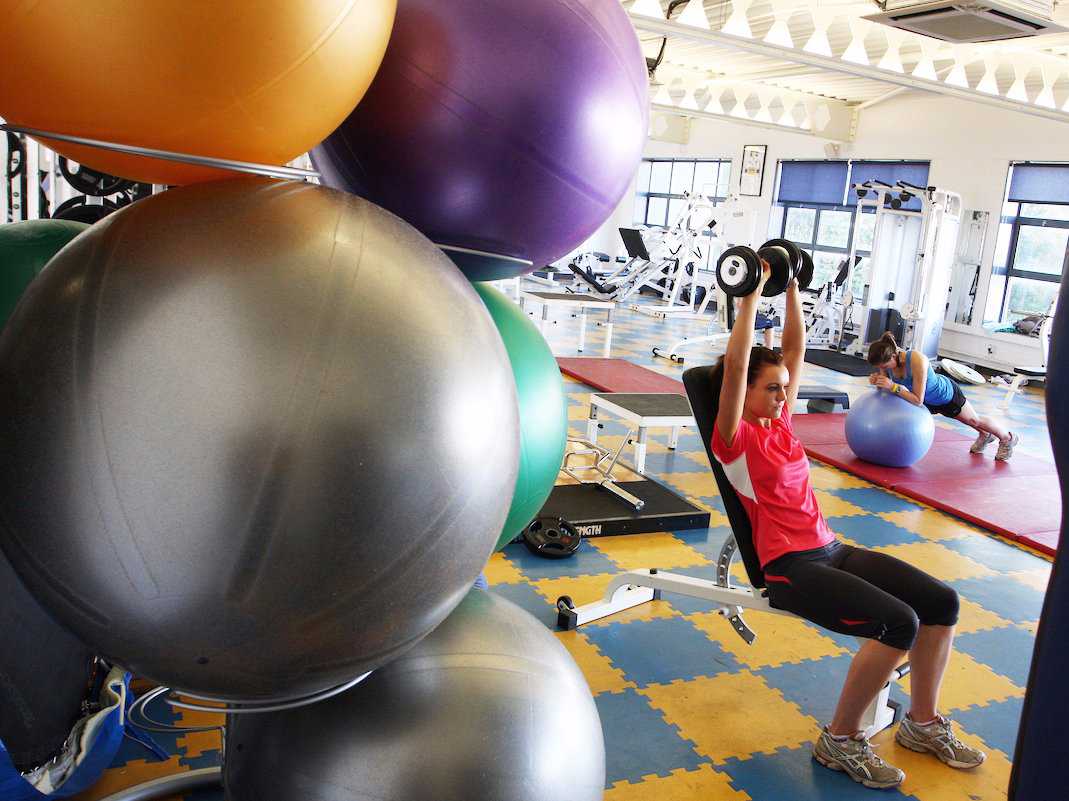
x=704, y=403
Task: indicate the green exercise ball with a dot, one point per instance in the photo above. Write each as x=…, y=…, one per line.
x=543, y=410
x=25, y=249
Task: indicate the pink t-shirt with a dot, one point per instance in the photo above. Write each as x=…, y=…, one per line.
x=770, y=473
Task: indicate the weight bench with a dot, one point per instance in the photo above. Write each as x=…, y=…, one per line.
x=573, y=301
x=646, y=410
x=636, y=587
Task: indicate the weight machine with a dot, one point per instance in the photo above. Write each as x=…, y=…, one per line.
x=824, y=315
x=911, y=261
x=682, y=289
x=666, y=260
x=641, y=269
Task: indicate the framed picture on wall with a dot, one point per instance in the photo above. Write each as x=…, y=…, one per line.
x=752, y=177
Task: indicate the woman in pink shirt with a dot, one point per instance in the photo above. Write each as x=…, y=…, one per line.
x=899, y=610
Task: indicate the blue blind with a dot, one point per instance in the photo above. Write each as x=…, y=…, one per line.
x=912, y=172
x=812, y=182
x=1039, y=183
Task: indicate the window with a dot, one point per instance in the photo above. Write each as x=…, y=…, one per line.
x=661, y=183
x=1033, y=240
x=821, y=216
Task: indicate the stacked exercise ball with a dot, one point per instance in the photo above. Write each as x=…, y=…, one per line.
x=883, y=428
x=263, y=82
x=506, y=131
x=542, y=406
x=246, y=449
x=489, y=707
x=25, y=249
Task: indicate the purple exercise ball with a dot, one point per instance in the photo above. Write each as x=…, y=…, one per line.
x=884, y=429
x=506, y=131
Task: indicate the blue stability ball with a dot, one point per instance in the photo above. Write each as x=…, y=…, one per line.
x=888, y=430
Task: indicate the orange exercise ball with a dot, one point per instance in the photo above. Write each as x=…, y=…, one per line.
x=261, y=82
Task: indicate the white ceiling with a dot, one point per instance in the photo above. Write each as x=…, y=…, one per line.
x=814, y=51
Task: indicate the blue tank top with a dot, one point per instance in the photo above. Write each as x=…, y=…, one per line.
x=938, y=389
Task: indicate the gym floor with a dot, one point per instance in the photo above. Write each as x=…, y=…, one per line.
x=689, y=710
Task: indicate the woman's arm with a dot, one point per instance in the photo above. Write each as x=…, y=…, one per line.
x=794, y=341
x=919, y=367
x=737, y=361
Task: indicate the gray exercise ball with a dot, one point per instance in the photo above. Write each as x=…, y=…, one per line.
x=256, y=438
x=489, y=707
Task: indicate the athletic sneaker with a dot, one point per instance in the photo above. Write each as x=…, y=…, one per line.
x=938, y=737
x=982, y=442
x=1005, y=449
x=855, y=757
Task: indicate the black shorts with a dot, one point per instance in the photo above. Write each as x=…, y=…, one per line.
x=953, y=407
x=860, y=592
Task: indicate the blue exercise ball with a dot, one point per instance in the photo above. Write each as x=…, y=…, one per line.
x=884, y=429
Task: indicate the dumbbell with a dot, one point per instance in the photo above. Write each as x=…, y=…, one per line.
x=738, y=269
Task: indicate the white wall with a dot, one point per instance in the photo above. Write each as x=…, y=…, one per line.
x=969, y=145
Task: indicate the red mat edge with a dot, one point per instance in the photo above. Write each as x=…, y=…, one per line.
x=1040, y=545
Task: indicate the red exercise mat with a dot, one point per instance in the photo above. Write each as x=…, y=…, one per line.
x=1019, y=499
x=617, y=375
x=1014, y=506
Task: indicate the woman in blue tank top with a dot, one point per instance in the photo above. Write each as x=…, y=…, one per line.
x=909, y=375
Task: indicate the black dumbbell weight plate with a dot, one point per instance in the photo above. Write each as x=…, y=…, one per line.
x=793, y=251
x=780, y=262
x=805, y=275
x=738, y=271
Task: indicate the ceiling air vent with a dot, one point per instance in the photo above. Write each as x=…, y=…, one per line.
x=970, y=21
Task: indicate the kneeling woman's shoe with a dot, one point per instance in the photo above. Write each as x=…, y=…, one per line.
x=855, y=757
x=938, y=738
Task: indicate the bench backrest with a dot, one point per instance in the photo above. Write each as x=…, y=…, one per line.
x=704, y=398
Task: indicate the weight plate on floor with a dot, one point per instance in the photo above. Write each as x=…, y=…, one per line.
x=551, y=537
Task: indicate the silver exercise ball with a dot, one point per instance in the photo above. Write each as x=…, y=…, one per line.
x=489, y=707
x=256, y=438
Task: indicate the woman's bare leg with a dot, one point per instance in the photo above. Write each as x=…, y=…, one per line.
x=869, y=671
x=969, y=416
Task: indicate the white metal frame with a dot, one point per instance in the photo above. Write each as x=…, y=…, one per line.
x=604, y=402
x=905, y=259
x=578, y=301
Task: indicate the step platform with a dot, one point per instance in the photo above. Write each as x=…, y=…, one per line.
x=598, y=513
